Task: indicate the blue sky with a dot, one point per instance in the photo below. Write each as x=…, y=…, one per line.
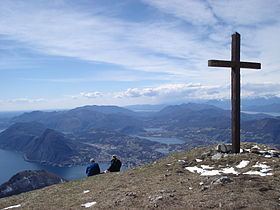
x=67, y=53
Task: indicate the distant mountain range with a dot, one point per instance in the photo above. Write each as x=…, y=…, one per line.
x=84, y=118
x=73, y=136
x=264, y=108
x=246, y=103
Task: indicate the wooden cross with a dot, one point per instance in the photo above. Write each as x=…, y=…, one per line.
x=235, y=65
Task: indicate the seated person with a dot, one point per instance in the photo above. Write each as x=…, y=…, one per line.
x=93, y=168
x=116, y=165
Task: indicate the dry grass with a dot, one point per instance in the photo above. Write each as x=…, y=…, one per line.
x=164, y=185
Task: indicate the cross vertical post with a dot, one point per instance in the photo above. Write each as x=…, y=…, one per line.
x=235, y=93
x=235, y=64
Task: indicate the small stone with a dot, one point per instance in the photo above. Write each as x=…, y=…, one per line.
x=158, y=198
x=217, y=156
x=203, y=188
x=222, y=180
x=255, y=149
x=206, y=154
x=154, y=199
x=264, y=189
x=131, y=194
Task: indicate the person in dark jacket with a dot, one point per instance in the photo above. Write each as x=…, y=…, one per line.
x=116, y=164
x=93, y=168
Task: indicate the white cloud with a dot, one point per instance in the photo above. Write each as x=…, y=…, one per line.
x=192, y=11
x=69, y=32
x=187, y=92
x=175, y=92
x=150, y=46
x=261, y=90
x=95, y=94
x=167, y=93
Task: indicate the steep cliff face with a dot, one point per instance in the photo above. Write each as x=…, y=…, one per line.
x=28, y=180
x=51, y=148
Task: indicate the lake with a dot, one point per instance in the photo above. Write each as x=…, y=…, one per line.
x=163, y=140
x=12, y=163
x=274, y=114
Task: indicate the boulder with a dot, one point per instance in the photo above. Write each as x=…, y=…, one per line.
x=224, y=148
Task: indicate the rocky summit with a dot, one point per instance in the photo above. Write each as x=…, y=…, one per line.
x=202, y=178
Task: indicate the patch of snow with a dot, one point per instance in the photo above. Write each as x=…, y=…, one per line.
x=194, y=169
x=86, y=191
x=12, y=207
x=265, y=170
x=190, y=188
x=8, y=189
x=260, y=165
x=268, y=156
x=247, y=150
x=198, y=160
x=205, y=170
x=229, y=171
x=243, y=164
x=206, y=167
x=256, y=147
x=89, y=204
x=210, y=173
x=258, y=173
x=201, y=183
x=181, y=161
x=169, y=164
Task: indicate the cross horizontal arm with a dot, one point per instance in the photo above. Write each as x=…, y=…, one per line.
x=250, y=65
x=219, y=63
x=223, y=63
